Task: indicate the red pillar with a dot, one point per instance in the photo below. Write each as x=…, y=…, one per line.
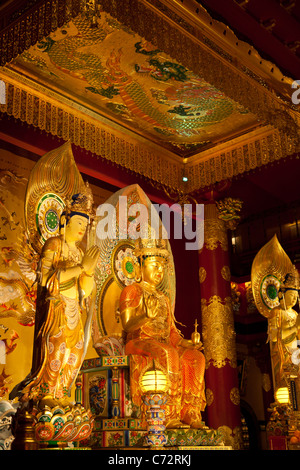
x=221, y=377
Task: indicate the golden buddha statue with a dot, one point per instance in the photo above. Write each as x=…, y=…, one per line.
x=275, y=285
x=152, y=334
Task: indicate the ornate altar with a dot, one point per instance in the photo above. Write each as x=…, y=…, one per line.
x=106, y=391
x=110, y=382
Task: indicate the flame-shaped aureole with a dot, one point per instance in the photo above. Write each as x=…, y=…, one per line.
x=269, y=269
x=52, y=181
x=116, y=265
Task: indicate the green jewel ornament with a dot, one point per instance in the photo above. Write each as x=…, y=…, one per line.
x=269, y=291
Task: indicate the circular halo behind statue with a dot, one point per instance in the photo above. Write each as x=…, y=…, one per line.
x=53, y=180
x=269, y=269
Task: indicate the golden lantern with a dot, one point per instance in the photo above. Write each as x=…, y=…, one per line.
x=153, y=384
x=153, y=381
x=282, y=395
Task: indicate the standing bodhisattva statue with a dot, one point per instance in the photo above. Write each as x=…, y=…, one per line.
x=65, y=281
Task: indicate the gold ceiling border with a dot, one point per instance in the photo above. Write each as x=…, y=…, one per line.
x=241, y=155
x=181, y=38
x=33, y=24
x=56, y=117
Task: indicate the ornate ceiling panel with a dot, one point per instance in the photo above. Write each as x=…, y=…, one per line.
x=112, y=70
x=156, y=86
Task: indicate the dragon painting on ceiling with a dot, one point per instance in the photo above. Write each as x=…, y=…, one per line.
x=121, y=76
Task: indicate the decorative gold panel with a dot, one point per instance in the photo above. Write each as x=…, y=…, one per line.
x=218, y=332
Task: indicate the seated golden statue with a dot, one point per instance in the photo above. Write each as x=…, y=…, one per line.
x=152, y=335
x=65, y=281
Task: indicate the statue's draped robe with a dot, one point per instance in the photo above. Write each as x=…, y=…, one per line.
x=59, y=333
x=283, y=337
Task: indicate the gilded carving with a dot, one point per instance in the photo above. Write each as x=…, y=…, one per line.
x=215, y=234
x=232, y=437
x=235, y=396
x=209, y=396
x=225, y=271
x=219, y=216
x=229, y=210
x=218, y=332
x=266, y=382
x=202, y=274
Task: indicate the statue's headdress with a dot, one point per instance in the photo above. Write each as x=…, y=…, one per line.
x=146, y=247
x=291, y=280
x=80, y=204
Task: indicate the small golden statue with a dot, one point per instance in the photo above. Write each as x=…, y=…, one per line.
x=196, y=338
x=149, y=322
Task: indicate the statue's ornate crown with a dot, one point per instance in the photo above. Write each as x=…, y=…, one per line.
x=291, y=280
x=81, y=203
x=145, y=247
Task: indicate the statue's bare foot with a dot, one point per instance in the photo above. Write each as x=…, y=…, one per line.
x=198, y=425
x=176, y=424
x=193, y=418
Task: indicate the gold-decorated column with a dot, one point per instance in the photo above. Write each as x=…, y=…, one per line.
x=221, y=377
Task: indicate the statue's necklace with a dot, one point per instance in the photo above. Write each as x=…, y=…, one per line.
x=73, y=254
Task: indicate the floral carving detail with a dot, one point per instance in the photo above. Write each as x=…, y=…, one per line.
x=235, y=396
x=202, y=274
x=209, y=396
x=225, y=271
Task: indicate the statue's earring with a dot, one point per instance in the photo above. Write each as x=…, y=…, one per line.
x=282, y=298
x=63, y=227
x=138, y=273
